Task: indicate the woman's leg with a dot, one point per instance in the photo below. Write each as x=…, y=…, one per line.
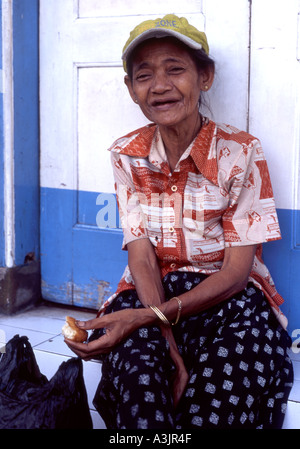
x=236, y=355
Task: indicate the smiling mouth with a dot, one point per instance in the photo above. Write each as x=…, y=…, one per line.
x=164, y=104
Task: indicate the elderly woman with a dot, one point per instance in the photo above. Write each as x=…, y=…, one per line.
x=193, y=337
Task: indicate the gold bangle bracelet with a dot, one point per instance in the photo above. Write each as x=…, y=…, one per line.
x=179, y=310
x=160, y=315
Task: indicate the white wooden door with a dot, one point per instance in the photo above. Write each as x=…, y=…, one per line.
x=85, y=107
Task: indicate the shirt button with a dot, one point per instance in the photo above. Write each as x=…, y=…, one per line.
x=174, y=188
x=171, y=229
x=173, y=265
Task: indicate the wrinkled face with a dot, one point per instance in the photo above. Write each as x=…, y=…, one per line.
x=165, y=82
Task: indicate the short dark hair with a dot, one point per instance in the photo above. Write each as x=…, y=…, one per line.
x=202, y=60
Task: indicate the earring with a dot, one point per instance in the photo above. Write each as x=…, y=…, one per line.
x=206, y=87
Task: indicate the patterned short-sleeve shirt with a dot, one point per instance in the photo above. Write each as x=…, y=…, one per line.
x=219, y=195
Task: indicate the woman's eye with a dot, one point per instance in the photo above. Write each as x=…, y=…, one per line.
x=176, y=69
x=142, y=76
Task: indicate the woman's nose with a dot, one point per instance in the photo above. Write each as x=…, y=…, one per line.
x=160, y=83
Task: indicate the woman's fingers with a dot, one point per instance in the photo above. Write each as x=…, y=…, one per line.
x=95, y=323
x=118, y=326
x=93, y=348
x=180, y=381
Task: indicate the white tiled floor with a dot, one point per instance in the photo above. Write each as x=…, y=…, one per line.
x=42, y=325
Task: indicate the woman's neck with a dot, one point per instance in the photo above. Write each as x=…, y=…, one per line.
x=178, y=138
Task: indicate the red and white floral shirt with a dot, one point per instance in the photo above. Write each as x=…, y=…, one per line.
x=219, y=195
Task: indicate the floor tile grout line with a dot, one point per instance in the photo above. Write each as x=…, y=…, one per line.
x=27, y=329
x=35, y=348
x=48, y=339
x=294, y=401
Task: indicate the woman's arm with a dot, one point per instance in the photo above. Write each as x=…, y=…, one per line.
x=231, y=279
x=218, y=287
x=145, y=271
x=146, y=274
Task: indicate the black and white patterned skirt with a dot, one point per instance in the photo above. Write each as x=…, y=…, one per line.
x=240, y=374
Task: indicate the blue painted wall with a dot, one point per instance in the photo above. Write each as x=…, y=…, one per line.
x=26, y=126
x=79, y=261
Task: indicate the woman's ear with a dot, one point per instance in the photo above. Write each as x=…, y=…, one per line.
x=207, y=78
x=128, y=83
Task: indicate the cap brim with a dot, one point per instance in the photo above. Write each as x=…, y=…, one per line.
x=159, y=33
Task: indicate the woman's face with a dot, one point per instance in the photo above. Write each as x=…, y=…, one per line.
x=165, y=82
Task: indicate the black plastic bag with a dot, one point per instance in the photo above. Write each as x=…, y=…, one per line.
x=29, y=401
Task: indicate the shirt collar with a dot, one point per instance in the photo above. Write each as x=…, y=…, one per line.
x=140, y=143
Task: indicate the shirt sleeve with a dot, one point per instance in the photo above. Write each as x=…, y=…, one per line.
x=251, y=216
x=131, y=215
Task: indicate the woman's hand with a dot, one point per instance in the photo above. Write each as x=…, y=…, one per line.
x=179, y=381
x=118, y=326
x=180, y=377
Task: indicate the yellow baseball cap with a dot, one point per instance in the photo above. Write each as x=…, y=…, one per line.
x=169, y=25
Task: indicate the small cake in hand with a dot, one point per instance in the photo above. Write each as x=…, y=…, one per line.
x=73, y=332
